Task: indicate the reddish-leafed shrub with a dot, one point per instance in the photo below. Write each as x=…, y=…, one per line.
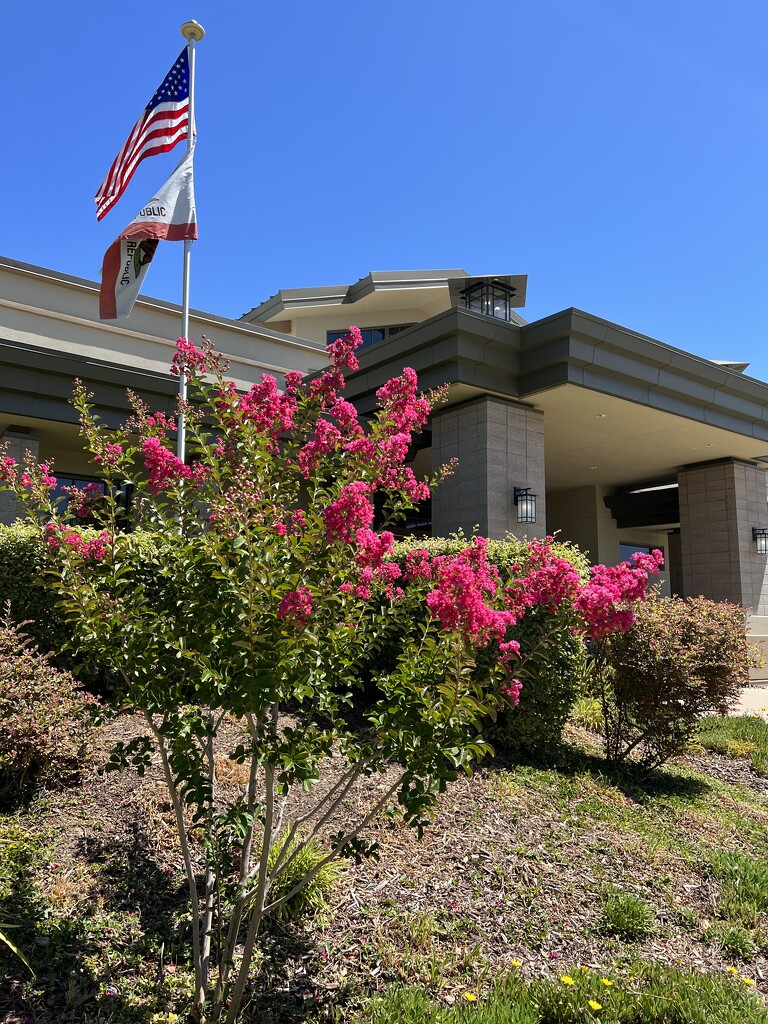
x=44, y=717
x=681, y=659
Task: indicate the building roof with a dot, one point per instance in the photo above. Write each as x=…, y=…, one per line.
x=379, y=282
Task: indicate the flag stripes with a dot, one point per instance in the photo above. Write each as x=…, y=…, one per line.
x=163, y=123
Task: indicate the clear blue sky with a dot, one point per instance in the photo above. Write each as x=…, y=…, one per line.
x=616, y=153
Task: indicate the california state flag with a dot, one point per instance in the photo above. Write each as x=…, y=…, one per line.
x=171, y=215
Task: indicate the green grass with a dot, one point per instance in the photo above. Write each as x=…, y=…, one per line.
x=625, y=915
x=650, y=995
x=737, y=736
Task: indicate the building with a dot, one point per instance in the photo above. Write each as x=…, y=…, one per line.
x=621, y=442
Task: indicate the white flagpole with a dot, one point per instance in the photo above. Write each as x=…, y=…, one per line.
x=193, y=33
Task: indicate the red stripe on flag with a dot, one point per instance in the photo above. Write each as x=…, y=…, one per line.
x=109, y=272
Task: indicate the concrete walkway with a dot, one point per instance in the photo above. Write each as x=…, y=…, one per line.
x=754, y=701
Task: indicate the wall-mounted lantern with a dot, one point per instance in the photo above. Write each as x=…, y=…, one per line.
x=526, y=505
x=760, y=537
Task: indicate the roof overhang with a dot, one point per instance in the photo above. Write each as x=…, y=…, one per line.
x=619, y=407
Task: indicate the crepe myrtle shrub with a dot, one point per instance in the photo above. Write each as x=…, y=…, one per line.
x=258, y=593
x=551, y=635
x=680, y=660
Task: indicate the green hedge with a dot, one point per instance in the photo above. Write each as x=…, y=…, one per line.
x=23, y=589
x=22, y=583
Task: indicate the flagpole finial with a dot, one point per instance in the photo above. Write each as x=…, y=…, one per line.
x=192, y=30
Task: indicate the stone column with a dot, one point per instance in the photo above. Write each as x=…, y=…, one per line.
x=500, y=446
x=18, y=444
x=720, y=502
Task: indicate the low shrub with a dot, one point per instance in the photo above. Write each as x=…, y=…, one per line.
x=44, y=718
x=23, y=586
x=680, y=660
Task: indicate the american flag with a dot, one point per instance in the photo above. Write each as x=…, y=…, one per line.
x=163, y=123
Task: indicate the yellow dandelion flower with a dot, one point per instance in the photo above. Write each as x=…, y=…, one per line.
x=607, y=982
x=747, y=981
x=567, y=980
x=516, y=963
x=733, y=970
x=595, y=1005
x=470, y=997
x=584, y=970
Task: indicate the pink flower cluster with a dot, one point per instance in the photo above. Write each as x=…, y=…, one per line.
x=405, y=411
x=95, y=549
x=353, y=510
x=605, y=601
x=42, y=478
x=549, y=580
x=165, y=468
x=297, y=605
x=418, y=565
x=342, y=352
x=512, y=689
x=109, y=456
x=372, y=550
x=187, y=358
x=8, y=469
x=80, y=502
x=270, y=410
x=458, y=599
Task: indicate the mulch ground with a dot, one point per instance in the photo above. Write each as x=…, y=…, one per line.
x=504, y=879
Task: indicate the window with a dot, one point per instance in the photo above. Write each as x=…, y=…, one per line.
x=371, y=335
x=627, y=550
x=63, y=482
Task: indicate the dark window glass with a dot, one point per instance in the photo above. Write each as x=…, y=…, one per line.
x=627, y=550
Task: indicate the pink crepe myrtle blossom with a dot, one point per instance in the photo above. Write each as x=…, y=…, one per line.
x=325, y=388
x=296, y=605
x=188, y=358
x=325, y=439
x=350, y=512
x=403, y=479
x=418, y=565
x=605, y=601
x=462, y=583
x=548, y=582
x=405, y=410
x=342, y=351
x=95, y=549
x=345, y=414
x=109, y=456
x=270, y=410
x=80, y=502
x=8, y=470
x=512, y=690
x=293, y=381
x=373, y=547
x=166, y=469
